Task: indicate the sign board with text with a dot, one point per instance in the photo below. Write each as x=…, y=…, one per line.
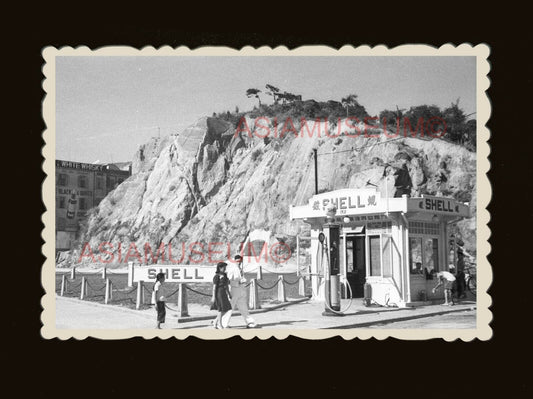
x=175, y=273
x=439, y=206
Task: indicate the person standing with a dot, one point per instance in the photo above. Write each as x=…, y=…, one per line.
x=238, y=294
x=403, y=182
x=221, y=296
x=461, y=281
x=159, y=299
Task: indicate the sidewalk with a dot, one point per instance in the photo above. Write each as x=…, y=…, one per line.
x=76, y=314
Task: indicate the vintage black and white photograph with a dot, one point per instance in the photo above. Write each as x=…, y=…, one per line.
x=265, y=192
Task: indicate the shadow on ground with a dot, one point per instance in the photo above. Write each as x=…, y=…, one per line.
x=243, y=327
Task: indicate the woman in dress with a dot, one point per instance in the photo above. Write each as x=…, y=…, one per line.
x=220, y=300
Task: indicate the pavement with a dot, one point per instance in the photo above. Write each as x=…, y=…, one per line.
x=73, y=313
x=457, y=320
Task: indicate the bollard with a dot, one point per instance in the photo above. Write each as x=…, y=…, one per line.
x=143, y=294
x=260, y=272
x=130, y=274
x=63, y=284
x=281, y=289
x=301, y=286
x=298, y=255
x=104, y=273
x=153, y=299
x=83, y=287
x=73, y=273
x=254, y=296
x=140, y=289
x=107, y=286
x=183, y=306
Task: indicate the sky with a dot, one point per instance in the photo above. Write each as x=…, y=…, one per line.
x=106, y=107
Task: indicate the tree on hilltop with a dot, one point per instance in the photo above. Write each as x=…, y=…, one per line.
x=349, y=101
x=273, y=91
x=290, y=97
x=460, y=129
x=254, y=93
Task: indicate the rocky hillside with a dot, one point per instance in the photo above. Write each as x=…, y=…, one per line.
x=209, y=184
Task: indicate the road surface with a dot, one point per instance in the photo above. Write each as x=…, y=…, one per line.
x=452, y=320
x=75, y=314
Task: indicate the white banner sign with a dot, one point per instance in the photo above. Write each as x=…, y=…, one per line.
x=176, y=273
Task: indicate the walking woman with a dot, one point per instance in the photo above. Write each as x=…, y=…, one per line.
x=220, y=300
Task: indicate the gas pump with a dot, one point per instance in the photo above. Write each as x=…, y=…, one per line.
x=329, y=243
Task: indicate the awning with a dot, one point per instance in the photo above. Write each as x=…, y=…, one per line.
x=358, y=229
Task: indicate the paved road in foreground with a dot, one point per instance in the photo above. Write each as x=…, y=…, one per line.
x=451, y=320
x=75, y=314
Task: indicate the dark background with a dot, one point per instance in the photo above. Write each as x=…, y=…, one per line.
x=431, y=368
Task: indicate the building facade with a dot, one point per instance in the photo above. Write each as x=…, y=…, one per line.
x=80, y=187
x=386, y=249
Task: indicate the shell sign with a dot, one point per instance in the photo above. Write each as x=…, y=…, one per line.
x=344, y=200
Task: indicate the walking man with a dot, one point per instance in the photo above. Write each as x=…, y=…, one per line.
x=238, y=293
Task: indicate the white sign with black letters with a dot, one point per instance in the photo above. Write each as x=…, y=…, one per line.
x=176, y=273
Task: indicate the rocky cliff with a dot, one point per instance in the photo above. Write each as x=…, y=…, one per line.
x=211, y=183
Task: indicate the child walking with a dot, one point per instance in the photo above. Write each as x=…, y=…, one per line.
x=220, y=300
x=159, y=299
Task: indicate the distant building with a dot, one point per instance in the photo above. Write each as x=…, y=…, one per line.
x=80, y=187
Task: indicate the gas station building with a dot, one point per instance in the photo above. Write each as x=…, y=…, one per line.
x=386, y=249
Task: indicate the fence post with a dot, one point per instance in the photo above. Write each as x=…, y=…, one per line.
x=260, y=272
x=130, y=274
x=83, y=287
x=139, y=294
x=281, y=289
x=301, y=286
x=106, y=298
x=73, y=273
x=183, y=305
x=63, y=282
x=104, y=273
x=254, y=295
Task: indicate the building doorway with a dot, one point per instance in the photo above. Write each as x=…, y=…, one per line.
x=355, y=264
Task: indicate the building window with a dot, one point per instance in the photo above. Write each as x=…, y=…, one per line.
x=99, y=183
x=424, y=228
x=110, y=182
x=350, y=263
x=386, y=256
x=62, y=179
x=431, y=254
x=61, y=204
x=423, y=255
x=83, y=204
x=415, y=255
x=374, y=247
x=82, y=181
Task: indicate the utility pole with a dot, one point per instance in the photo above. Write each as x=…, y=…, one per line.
x=316, y=170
